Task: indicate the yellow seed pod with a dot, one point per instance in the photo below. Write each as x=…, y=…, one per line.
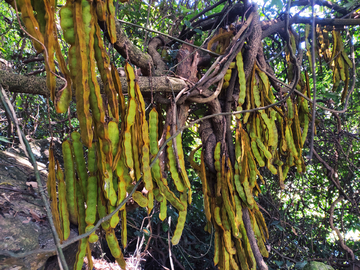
x=172, y=165
x=115, y=248
x=123, y=228
x=242, y=80
x=81, y=254
x=217, y=247
x=140, y=199
x=63, y=208
x=180, y=222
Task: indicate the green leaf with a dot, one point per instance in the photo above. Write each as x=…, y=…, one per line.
x=277, y=3
x=279, y=227
x=331, y=95
x=187, y=23
x=198, y=31
x=3, y=139
x=300, y=265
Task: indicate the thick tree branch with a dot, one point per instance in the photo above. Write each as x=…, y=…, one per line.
x=152, y=49
x=37, y=85
x=271, y=27
x=324, y=3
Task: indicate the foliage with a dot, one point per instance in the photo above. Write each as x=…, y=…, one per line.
x=297, y=209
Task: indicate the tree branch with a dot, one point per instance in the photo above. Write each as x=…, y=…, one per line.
x=271, y=27
x=37, y=85
x=250, y=234
x=324, y=3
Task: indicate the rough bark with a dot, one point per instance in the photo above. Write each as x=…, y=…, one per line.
x=129, y=51
x=159, y=64
x=254, y=43
x=273, y=26
x=37, y=85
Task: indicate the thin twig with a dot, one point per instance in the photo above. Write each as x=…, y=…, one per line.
x=341, y=239
x=170, y=255
x=171, y=37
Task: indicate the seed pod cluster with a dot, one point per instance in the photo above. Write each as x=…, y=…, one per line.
x=337, y=58
x=271, y=138
x=118, y=155
x=118, y=139
x=340, y=64
x=87, y=191
x=38, y=17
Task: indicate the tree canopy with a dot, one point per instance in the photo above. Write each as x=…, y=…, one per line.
x=237, y=117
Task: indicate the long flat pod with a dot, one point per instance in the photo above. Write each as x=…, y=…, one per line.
x=146, y=141
x=242, y=80
x=172, y=164
x=181, y=159
x=115, y=248
x=49, y=42
x=105, y=69
x=31, y=24
x=63, y=98
x=96, y=100
x=123, y=228
x=122, y=109
x=101, y=207
x=51, y=185
x=110, y=20
x=118, y=88
x=70, y=182
x=205, y=188
x=130, y=119
x=81, y=80
x=91, y=200
x=136, y=147
x=171, y=197
x=180, y=222
x=79, y=160
x=81, y=226
x=63, y=208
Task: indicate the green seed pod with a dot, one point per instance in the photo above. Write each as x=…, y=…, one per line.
x=81, y=254
x=115, y=248
x=70, y=182
x=114, y=220
x=140, y=199
x=79, y=160
x=90, y=213
x=93, y=238
x=172, y=165
x=242, y=80
x=217, y=216
x=217, y=245
x=228, y=243
x=63, y=207
x=179, y=227
x=102, y=209
x=170, y=196
x=163, y=209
